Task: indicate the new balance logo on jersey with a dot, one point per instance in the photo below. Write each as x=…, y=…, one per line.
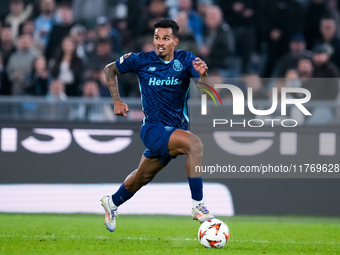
x=151, y=69
x=167, y=128
x=169, y=81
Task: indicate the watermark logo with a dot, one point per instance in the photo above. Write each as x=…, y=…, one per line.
x=204, y=96
x=240, y=102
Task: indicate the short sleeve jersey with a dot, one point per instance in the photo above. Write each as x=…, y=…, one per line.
x=164, y=86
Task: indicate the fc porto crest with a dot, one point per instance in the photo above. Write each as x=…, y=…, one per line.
x=177, y=65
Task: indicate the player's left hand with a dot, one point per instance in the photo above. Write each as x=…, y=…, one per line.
x=200, y=66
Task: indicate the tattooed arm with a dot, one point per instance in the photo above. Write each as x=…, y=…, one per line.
x=111, y=73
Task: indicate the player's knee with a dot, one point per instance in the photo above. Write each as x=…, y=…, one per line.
x=196, y=147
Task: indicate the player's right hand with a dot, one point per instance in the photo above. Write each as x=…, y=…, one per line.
x=120, y=108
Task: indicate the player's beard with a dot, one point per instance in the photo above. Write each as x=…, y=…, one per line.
x=161, y=54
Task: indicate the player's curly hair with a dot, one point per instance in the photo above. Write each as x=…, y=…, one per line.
x=167, y=23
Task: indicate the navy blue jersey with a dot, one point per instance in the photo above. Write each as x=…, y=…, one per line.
x=164, y=85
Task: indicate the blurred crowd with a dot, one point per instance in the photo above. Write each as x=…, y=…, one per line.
x=58, y=48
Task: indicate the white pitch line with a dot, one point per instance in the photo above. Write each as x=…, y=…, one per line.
x=155, y=239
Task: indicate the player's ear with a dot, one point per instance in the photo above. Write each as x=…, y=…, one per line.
x=176, y=40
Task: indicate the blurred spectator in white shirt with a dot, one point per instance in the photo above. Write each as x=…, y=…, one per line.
x=18, y=14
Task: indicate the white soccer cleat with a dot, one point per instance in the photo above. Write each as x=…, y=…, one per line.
x=201, y=213
x=111, y=213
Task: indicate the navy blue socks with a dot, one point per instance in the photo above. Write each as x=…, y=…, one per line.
x=196, y=188
x=195, y=184
x=121, y=196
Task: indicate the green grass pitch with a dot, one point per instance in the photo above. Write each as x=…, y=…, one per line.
x=86, y=234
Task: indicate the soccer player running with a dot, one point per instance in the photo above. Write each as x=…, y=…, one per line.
x=164, y=77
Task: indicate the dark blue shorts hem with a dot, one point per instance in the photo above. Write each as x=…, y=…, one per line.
x=155, y=137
